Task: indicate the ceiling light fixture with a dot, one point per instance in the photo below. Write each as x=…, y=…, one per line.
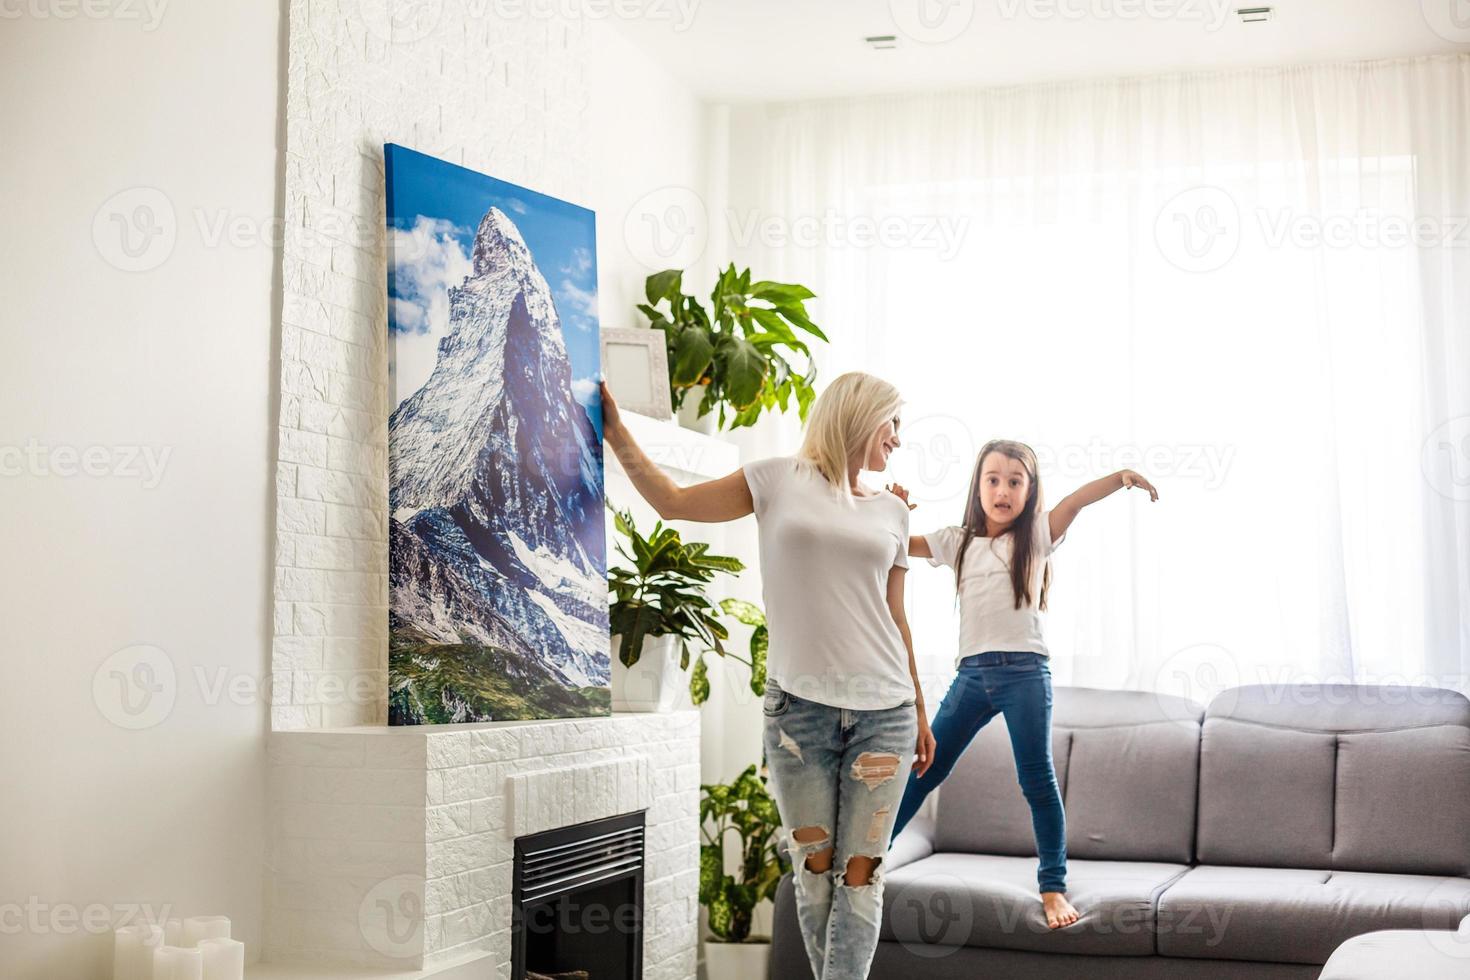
x=1254, y=15
x=882, y=42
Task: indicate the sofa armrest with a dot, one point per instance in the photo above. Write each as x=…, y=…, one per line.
x=1465, y=927
x=914, y=844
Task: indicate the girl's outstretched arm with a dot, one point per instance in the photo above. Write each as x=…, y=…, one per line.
x=1064, y=513
x=918, y=544
x=724, y=499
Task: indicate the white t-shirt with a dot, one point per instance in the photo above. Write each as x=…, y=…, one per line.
x=824, y=576
x=989, y=619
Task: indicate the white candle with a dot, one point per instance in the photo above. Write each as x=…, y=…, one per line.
x=132, y=952
x=205, y=927
x=224, y=959
x=176, y=963
x=173, y=932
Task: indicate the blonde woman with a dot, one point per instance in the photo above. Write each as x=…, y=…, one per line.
x=844, y=713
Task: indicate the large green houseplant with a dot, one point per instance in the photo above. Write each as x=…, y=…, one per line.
x=737, y=352
x=745, y=809
x=663, y=593
x=760, y=640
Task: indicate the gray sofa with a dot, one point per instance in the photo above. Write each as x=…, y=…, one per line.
x=1249, y=839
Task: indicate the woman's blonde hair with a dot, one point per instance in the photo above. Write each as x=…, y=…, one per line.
x=843, y=421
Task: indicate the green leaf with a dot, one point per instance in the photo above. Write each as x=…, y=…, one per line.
x=780, y=292
x=746, y=612
x=711, y=870
x=693, y=351
x=760, y=642
x=745, y=370
x=645, y=620
x=699, y=682
x=663, y=285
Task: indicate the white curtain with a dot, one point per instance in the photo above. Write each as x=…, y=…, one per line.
x=1254, y=287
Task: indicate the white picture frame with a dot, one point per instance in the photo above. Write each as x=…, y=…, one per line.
x=635, y=364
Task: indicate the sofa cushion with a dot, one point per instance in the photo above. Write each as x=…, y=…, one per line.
x=1346, y=777
x=1287, y=915
x=951, y=899
x=1118, y=754
x=1423, y=955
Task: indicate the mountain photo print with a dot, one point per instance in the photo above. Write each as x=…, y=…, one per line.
x=497, y=604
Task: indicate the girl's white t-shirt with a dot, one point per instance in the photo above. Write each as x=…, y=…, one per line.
x=989, y=619
x=824, y=577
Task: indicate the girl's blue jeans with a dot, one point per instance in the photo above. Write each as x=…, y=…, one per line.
x=837, y=774
x=1017, y=685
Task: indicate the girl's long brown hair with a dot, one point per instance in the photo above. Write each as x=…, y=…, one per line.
x=1022, y=530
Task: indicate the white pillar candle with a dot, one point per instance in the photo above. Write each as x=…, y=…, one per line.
x=132, y=952
x=177, y=963
x=205, y=927
x=224, y=959
x=173, y=932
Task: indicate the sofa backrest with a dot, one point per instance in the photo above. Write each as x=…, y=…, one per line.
x=1336, y=777
x=1127, y=763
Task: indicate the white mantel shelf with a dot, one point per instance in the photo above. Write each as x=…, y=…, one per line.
x=679, y=451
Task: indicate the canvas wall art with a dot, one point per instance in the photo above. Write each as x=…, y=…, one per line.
x=497, y=558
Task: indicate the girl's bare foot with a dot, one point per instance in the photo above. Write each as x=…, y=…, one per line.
x=1059, y=911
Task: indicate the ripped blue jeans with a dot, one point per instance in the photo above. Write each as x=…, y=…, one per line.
x=837, y=775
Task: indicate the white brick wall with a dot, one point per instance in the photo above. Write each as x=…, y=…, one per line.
x=506, y=97
x=395, y=847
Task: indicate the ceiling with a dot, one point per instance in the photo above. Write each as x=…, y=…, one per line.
x=781, y=50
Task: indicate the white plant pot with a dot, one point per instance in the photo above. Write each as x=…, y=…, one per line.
x=655, y=682
x=737, y=961
x=688, y=414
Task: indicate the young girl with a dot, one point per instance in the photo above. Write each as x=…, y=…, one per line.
x=1000, y=556
x=844, y=715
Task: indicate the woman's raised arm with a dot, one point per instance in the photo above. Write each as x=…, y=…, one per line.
x=710, y=502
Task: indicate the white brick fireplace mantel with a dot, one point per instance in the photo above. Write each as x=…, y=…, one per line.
x=394, y=847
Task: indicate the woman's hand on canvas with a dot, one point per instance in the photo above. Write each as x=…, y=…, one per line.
x=924, y=749
x=1132, y=479
x=612, y=419
x=902, y=494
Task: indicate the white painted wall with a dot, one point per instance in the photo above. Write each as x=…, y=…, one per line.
x=174, y=359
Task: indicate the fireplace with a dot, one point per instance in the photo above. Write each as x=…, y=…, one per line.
x=578, y=902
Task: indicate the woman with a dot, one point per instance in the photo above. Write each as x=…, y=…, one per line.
x=844, y=712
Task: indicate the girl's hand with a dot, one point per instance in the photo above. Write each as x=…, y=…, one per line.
x=1132, y=479
x=924, y=750
x=899, y=492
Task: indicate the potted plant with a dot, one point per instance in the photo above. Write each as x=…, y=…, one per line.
x=744, y=809
x=737, y=352
x=659, y=605
x=760, y=640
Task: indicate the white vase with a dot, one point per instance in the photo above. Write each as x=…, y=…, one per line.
x=688, y=414
x=655, y=682
x=736, y=961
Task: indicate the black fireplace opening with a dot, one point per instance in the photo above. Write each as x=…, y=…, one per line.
x=578, y=894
